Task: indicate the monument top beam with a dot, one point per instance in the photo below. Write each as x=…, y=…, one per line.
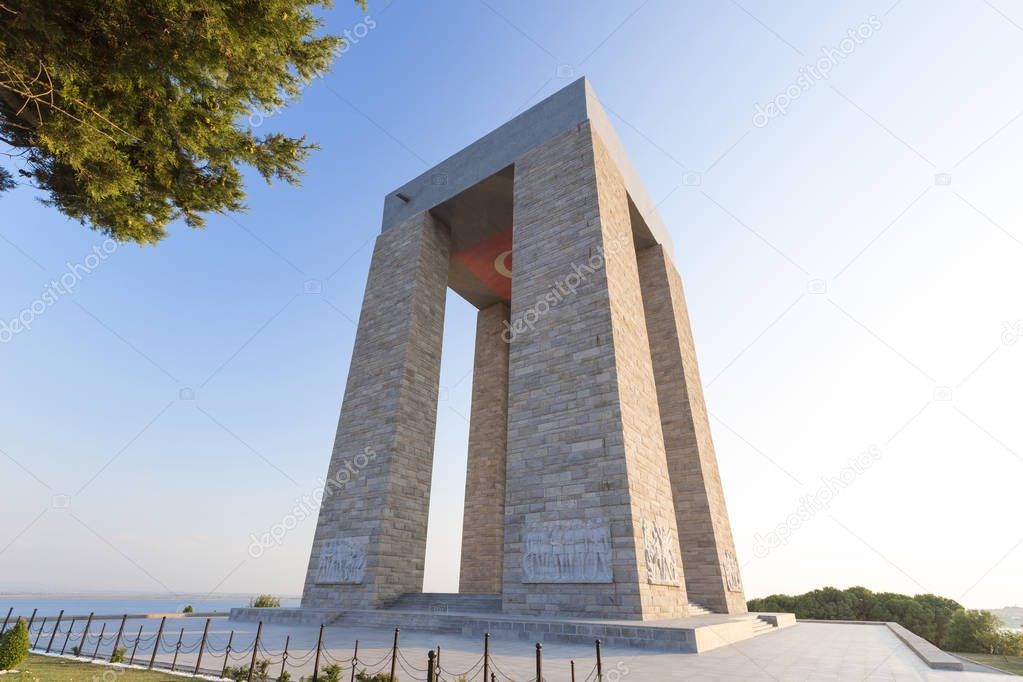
x=499, y=149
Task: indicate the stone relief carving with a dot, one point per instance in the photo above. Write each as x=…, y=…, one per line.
x=572, y=551
x=661, y=552
x=341, y=562
x=730, y=565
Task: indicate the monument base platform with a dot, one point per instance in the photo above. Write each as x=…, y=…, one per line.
x=695, y=634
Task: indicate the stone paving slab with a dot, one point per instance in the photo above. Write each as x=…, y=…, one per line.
x=807, y=651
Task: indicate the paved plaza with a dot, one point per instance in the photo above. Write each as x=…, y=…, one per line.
x=807, y=651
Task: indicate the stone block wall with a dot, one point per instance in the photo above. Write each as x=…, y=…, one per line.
x=705, y=535
x=585, y=448
x=483, y=524
x=373, y=517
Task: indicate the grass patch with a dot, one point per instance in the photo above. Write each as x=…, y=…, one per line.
x=1010, y=664
x=47, y=668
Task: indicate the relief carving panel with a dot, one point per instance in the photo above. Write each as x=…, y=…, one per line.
x=341, y=562
x=572, y=551
x=660, y=550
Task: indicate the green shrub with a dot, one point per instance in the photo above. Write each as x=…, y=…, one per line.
x=76, y=651
x=237, y=673
x=188, y=609
x=14, y=645
x=118, y=656
x=265, y=601
x=261, y=671
x=332, y=673
x=285, y=676
x=241, y=673
x=364, y=676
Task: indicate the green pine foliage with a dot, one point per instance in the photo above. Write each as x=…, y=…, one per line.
x=14, y=646
x=131, y=114
x=943, y=622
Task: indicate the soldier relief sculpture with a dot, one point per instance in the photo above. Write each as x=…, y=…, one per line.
x=573, y=551
x=661, y=561
x=341, y=562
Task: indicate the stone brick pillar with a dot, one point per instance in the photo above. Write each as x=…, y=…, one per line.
x=590, y=526
x=370, y=541
x=708, y=552
x=483, y=524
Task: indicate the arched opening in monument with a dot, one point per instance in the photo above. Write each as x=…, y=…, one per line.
x=472, y=400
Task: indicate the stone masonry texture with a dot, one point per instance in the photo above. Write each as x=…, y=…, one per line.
x=584, y=432
x=483, y=525
x=592, y=486
x=705, y=534
x=383, y=452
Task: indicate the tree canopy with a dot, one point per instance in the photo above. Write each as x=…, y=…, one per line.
x=943, y=622
x=131, y=114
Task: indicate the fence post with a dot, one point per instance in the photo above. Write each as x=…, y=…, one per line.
x=486, y=656
x=99, y=640
x=438, y=662
x=117, y=640
x=31, y=620
x=255, y=650
x=493, y=677
x=316, y=665
x=284, y=658
x=539, y=662
x=156, y=644
x=136, y=647
x=55, y=628
x=572, y=663
x=85, y=633
x=355, y=659
x=394, y=654
x=600, y=664
x=177, y=648
x=430, y=669
x=68, y=636
x=42, y=626
x=202, y=647
x=227, y=654
x=6, y=620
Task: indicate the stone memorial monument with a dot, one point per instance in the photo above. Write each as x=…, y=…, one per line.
x=592, y=487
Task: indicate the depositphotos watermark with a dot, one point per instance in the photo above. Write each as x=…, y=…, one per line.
x=562, y=289
x=811, y=74
x=817, y=501
x=308, y=504
x=351, y=36
x=57, y=289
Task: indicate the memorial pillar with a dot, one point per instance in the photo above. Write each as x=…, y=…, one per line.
x=589, y=520
x=483, y=521
x=370, y=541
x=705, y=535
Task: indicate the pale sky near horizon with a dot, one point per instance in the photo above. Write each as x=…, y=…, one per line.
x=852, y=269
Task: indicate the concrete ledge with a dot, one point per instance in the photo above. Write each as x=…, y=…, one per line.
x=778, y=620
x=687, y=635
x=934, y=657
x=931, y=655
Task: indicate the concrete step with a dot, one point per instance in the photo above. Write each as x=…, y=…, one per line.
x=697, y=610
x=446, y=602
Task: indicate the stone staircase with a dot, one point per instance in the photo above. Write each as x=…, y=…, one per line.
x=697, y=610
x=760, y=626
x=446, y=602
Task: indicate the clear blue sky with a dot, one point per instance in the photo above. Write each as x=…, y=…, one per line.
x=837, y=282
